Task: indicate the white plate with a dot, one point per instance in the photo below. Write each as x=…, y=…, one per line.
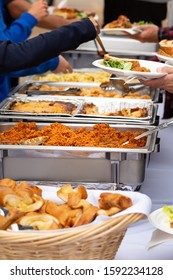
x=120, y=31
x=152, y=65
x=166, y=59
x=160, y=221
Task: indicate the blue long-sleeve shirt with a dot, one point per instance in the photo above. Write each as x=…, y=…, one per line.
x=19, y=31
x=34, y=51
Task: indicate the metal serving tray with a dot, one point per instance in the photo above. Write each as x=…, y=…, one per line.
x=148, y=148
x=122, y=167
x=5, y=107
x=106, y=105
x=22, y=88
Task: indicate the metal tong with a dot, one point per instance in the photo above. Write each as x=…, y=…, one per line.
x=155, y=129
x=124, y=86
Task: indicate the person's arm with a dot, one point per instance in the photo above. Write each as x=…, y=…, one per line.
x=17, y=7
x=32, y=52
x=148, y=33
x=56, y=65
x=21, y=28
x=49, y=65
x=165, y=82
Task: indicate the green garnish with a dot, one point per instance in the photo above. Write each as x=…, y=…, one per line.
x=141, y=22
x=123, y=65
x=168, y=210
x=82, y=15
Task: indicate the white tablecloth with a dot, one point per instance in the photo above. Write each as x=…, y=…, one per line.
x=158, y=185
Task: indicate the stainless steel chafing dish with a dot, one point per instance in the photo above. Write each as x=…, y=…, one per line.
x=23, y=88
x=103, y=105
x=121, y=166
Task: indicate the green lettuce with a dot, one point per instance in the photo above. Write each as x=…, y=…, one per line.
x=168, y=210
x=123, y=65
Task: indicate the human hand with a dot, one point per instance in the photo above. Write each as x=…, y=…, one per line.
x=96, y=25
x=39, y=9
x=63, y=66
x=165, y=82
x=149, y=33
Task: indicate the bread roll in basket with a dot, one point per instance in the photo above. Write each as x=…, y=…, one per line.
x=166, y=46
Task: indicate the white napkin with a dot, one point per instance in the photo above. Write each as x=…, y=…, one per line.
x=158, y=237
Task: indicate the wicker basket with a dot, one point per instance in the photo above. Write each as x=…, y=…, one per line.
x=97, y=242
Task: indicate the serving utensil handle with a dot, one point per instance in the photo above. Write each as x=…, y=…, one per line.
x=101, y=44
x=165, y=124
x=159, y=127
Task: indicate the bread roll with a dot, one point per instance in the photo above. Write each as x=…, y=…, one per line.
x=39, y=221
x=6, y=182
x=166, y=46
x=108, y=200
x=9, y=198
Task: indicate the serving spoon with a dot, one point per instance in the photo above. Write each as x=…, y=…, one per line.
x=146, y=133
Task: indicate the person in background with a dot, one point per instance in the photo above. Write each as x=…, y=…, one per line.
x=154, y=33
x=18, y=31
x=13, y=9
x=154, y=11
x=45, y=46
x=165, y=82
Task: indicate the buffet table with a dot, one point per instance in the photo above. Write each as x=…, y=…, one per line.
x=86, y=53
x=158, y=186
x=121, y=45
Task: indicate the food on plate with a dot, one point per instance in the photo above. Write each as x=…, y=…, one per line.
x=100, y=135
x=166, y=48
x=88, y=77
x=73, y=209
x=121, y=22
x=71, y=13
x=123, y=63
x=49, y=107
x=124, y=22
x=68, y=13
x=142, y=22
x=168, y=210
x=92, y=109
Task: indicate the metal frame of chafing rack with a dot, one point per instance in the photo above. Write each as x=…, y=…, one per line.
x=121, y=167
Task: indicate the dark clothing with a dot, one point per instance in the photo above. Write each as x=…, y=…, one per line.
x=32, y=52
x=165, y=33
x=7, y=17
x=135, y=11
